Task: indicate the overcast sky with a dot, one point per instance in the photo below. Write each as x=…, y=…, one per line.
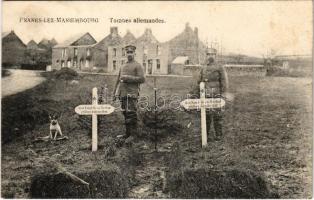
x=251, y=28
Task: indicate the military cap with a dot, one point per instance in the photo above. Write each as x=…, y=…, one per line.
x=130, y=48
x=211, y=51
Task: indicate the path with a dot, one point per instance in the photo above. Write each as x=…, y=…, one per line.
x=20, y=80
x=150, y=177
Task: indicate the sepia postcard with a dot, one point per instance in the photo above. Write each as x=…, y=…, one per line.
x=138, y=99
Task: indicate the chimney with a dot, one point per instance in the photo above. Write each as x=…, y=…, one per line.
x=187, y=25
x=196, y=31
x=114, y=30
x=148, y=31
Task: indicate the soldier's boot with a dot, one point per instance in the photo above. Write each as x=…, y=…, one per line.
x=131, y=123
x=127, y=126
x=134, y=124
x=217, y=118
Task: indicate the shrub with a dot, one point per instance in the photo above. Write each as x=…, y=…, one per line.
x=103, y=183
x=159, y=124
x=66, y=74
x=209, y=183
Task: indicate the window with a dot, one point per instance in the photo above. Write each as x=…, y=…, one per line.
x=158, y=51
x=81, y=63
x=122, y=62
x=74, y=63
x=145, y=50
x=150, y=66
x=75, y=51
x=88, y=52
x=114, y=65
x=87, y=63
x=150, y=62
x=63, y=53
x=158, y=64
x=114, y=52
x=123, y=52
x=144, y=66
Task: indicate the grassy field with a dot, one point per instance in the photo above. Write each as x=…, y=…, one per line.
x=266, y=128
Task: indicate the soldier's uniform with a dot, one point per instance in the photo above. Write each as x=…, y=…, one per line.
x=216, y=82
x=132, y=75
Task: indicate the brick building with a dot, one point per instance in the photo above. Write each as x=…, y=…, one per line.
x=150, y=53
x=187, y=43
x=13, y=50
x=108, y=55
x=79, y=53
x=112, y=46
x=153, y=54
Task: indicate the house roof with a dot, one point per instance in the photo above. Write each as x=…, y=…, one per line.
x=45, y=44
x=110, y=40
x=53, y=42
x=31, y=43
x=147, y=37
x=129, y=37
x=180, y=60
x=12, y=35
x=44, y=41
x=73, y=39
x=4, y=34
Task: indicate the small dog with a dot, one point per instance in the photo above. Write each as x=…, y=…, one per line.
x=54, y=127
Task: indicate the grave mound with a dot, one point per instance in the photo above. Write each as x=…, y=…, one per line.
x=103, y=183
x=207, y=183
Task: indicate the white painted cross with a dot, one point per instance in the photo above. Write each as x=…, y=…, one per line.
x=203, y=104
x=94, y=110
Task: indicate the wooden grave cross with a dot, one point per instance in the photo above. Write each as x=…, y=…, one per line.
x=203, y=104
x=94, y=109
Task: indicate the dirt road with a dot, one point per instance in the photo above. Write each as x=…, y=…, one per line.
x=20, y=80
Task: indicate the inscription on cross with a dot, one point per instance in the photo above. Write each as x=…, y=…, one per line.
x=203, y=104
x=94, y=109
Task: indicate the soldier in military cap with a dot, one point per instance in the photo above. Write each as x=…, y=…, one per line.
x=216, y=84
x=131, y=75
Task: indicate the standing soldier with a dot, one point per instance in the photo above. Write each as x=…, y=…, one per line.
x=215, y=78
x=131, y=75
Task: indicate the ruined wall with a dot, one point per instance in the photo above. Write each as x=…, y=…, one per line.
x=188, y=44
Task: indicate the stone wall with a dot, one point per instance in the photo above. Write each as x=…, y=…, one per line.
x=245, y=70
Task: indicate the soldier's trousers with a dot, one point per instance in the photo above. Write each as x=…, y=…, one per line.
x=215, y=116
x=129, y=107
